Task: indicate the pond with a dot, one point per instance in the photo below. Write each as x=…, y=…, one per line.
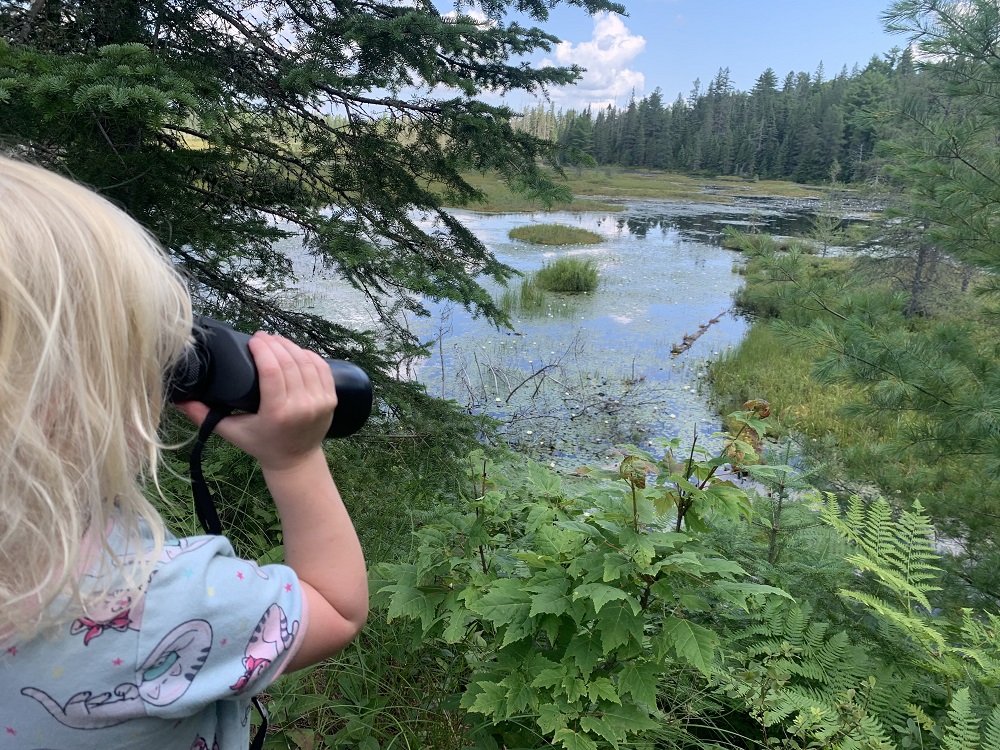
x=592, y=371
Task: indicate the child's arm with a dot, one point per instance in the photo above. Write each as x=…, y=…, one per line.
x=285, y=436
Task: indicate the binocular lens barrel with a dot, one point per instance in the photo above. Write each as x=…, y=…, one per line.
x=220, y=372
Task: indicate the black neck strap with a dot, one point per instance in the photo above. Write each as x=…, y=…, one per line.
x=204, y=503
x=204, y=506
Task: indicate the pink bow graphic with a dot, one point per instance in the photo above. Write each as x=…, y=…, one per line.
x=251, y=663
x=94, y=628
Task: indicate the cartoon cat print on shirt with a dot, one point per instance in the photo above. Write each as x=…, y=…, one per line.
x=121, y=610
x=164, y=676
x=200, y=743
x=270, y=639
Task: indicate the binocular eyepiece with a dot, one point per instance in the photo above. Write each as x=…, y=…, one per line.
x=220, y=372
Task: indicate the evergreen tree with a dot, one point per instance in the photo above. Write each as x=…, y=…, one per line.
x=937, y=381
x=207, y=120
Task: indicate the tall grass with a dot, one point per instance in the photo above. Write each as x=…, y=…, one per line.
x=554, y=234
x=528, y=298
x=628, y=183
x=568, y=274
x=766, y=366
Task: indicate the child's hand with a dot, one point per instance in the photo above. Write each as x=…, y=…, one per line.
x=297, y=399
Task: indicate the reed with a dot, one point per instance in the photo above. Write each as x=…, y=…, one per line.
x=569, y=275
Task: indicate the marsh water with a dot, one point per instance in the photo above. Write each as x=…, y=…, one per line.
x=587, y=372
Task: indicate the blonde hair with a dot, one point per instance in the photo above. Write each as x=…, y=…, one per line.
x=92, y=314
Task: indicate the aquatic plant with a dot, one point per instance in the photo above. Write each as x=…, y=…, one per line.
x=555, y=234
x=568, y=274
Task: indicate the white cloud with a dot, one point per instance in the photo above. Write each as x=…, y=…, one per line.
x=473, y=10
x=607, y=56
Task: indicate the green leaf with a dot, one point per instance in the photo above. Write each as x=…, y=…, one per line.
x=600, y=594
x=507, y=601
x=544, y=481
x=639, y=546
x=740, y=592
x=603, y=728
x=628, y=718
x=574, y=740
x=692, y=643
x=550, y=595
x=520, y=695
x=458, y=619
x=490, y=699
x=729, y=498
x=602, y=687
x=617, y=567
x=618, y=624
x=639, y=680
x=586, y=651
x=551, y=677
x=410, y=602
x=552, y=717
x=554, y=541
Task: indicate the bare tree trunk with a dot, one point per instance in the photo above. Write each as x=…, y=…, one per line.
x=919, y=282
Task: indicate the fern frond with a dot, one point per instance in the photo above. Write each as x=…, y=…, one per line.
x=899, y=554
x=962, y=732
x=911, y=626
x=991, y=732
x=877, y=535
x=906, y=592
x=980, y=642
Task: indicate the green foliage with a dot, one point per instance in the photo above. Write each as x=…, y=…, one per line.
x=529, y=298
x=900, y=674
x=803, y=684
x=555, y=234
x=423, y=463
x=535, y=610
x=571, y=604
x=206, y=123
x=904, y=403
x=568, y=274
x=575, y=614
x=944, y=157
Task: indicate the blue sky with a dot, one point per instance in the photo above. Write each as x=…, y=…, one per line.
x=670, y=43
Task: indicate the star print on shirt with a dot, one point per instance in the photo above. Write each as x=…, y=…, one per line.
x=240, y=575
x=11, y=730
x=288, y=587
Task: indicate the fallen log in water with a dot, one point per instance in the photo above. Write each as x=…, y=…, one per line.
x=690, y=338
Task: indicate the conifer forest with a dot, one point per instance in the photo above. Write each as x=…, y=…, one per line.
x=807, y=127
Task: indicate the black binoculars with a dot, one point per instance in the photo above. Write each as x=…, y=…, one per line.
x=219, y=371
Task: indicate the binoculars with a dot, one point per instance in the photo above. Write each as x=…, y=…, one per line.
x=219, y=371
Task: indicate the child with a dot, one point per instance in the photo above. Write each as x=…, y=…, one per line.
x=113, y=634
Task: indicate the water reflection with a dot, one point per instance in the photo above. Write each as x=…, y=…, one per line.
x=592, y=371
x=588, y=372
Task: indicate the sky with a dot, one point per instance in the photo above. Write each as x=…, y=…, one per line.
x=670, y=43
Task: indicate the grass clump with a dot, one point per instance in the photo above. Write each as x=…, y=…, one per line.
x=529, y=298
x=569, y=275
x=555, y=234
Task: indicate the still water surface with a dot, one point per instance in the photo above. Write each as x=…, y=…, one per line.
x=592, y=371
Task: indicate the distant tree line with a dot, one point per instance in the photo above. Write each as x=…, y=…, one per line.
x=808, y=127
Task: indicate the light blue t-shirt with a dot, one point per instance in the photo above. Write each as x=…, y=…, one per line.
x=172, y=669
